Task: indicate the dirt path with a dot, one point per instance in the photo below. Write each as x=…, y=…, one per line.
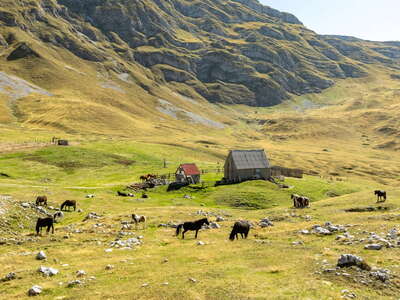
x=55, y=186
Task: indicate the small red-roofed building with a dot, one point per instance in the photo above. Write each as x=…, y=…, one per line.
x=188, y=173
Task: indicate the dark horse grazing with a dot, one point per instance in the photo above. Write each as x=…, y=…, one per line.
x=381, y=195
x=242, y=227
x=41, y=199
x=193, y=226
x=300, y=201
x=68, y=203
x=45, y=222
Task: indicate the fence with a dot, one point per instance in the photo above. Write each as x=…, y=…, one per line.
x=203, y=171
x=277, y=171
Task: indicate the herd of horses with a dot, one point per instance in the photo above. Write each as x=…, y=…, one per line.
x=239, y=227
x=300, y=201
x=148, y=177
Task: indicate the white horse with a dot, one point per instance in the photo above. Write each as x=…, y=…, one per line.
x=139, y=219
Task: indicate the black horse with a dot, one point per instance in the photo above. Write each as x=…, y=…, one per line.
x=193, y=226
x=68, y=203
x=45, y=222
x=381, y=195
x=242, y=227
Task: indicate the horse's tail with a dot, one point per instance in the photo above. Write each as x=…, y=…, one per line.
x=37, y=226
x=178, y=229
x=232, y=235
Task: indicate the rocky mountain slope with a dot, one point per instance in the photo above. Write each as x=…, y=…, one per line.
x=224, y=51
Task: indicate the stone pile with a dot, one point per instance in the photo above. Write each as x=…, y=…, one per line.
x=265, y=222
x=127, y=244
x=91, y=216
x=327, y=229
x=47, y=271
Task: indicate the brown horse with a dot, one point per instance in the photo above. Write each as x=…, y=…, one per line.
x=45, y=222
x=139, y=219
x=68, y=203
x=40, y=200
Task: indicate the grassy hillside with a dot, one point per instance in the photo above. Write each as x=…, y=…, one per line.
x=132, y=84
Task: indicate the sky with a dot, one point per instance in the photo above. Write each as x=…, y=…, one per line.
x=377, y=20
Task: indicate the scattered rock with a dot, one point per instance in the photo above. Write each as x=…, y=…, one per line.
x=74, y=283
x=200, y=243
x=126, y=244
x=41, y=255
x=373, y=247
x=35, y=290
x=346, y=294
x=25, y=205
x=213, y=225
x=297, y=243
x=80, y=273
x=109, y=267
x=321, y=231
x=169, y=224
x=381, y=274
x=90, y=196
x=327, y=229
x=220, y=219
x=47, y=271
x=192, y=280
x=91, y=216
x=265, y=223
x=10, y=276
x=349, y=260
x=145, y=285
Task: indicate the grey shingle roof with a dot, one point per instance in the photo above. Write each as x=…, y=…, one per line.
x=249, y=159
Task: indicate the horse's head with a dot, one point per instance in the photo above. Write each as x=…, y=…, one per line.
x=206, y=221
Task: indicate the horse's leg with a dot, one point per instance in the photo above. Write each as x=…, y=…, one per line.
x=195, y=236
x=52, y=228
x=183, y=234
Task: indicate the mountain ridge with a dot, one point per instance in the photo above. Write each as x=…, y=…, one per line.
x=225, y=52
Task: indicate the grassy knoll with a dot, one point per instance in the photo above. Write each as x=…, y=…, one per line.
x=223, y=270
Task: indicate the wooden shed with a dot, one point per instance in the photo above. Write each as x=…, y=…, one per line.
x=187, y=173
x=242, y=165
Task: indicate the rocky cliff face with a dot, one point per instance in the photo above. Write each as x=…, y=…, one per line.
x=229, y=51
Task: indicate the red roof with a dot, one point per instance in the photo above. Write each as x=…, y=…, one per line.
x=190, y=169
